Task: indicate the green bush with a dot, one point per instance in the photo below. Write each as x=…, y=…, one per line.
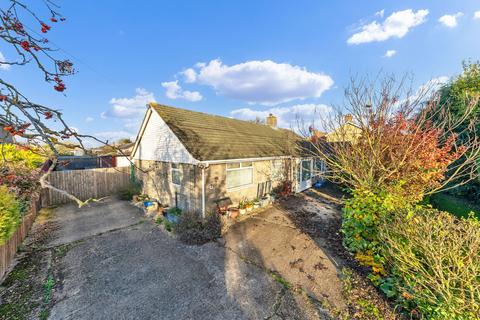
x=133, y=188
x=10, y=214
x=434, y=260
x=192, y=229
x=361, y=218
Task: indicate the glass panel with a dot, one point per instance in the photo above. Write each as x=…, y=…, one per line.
x=306, y=174
x=318, y=167
x=246, y=164
x=177, y=176
x=238, y=178
x=233, y=165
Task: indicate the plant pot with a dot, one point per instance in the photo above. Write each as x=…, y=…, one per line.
x=233, y=213
x=256, y=205
x=242, y=211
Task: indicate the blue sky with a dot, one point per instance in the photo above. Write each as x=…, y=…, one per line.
x=242, y=58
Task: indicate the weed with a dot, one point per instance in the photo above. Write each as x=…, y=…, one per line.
x=281, y=280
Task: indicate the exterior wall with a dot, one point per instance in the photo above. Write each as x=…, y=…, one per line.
x=215, y=183
x=159, y=143
x=347, y=132
x=157, y=183
x=122, y=161
x=188, y=196
x=5, y=137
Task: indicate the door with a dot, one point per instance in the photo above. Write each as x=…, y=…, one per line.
x=304, y=174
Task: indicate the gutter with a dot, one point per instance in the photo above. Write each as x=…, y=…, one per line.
x=209, y=162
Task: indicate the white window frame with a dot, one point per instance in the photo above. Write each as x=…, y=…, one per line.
x=242, y=166
x=176, y=169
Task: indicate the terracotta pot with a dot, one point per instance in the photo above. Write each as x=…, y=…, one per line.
x=233, y=213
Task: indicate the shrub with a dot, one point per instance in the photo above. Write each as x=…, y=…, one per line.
x=361, y=218
x=133, y=188
x=192, y=229
x=434, y=258
x=23, y=156
x=10, y=214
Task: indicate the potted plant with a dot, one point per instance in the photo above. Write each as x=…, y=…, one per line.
x=242, y=207
x=272, y=197
x=256, y=204
x=265, y=200
x=233, y=212
x=249, y=206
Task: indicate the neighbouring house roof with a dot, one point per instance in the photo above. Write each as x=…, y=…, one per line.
x=209, y=137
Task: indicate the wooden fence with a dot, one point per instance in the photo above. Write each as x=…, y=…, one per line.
x=85, y=184
x=9, y=248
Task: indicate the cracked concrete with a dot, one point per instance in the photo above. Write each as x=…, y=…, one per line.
x=272, y=240
x=115, y=266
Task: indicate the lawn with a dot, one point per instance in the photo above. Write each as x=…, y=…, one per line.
x=455, y=205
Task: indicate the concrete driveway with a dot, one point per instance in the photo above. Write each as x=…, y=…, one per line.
x=112, y=264
x=272, y=239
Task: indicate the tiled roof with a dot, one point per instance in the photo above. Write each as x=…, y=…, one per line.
x=210, y=137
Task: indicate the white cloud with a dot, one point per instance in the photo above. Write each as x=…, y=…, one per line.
x=288, y=117
x=190, y=75
x=450, y=20
x=476, y=15
x=425, y=90
x=380, y=13
x=390, y=53
x=174, y=91
x=2, y=59
x=89, y=119
x=397, y=25
x=264, y=82
x=129, y=107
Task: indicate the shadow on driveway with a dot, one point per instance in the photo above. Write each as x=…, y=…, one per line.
x=115, y=265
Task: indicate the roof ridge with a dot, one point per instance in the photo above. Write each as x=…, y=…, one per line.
x=156, y=104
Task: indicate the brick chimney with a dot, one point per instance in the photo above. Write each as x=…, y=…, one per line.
x=348, y=118
x=272, y=121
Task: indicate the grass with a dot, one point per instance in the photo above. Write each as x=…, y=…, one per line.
x=455, y=205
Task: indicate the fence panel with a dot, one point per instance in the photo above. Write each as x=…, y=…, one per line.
x=9, y=248
x=85, y=184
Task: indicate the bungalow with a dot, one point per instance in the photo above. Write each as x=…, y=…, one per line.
x=191, y=160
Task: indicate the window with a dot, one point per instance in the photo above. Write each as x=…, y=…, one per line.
x=239, y=174
x=319, y=167
x=177, y=175
x=277, y=170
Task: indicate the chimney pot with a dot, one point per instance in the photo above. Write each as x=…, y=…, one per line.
x=272, y=121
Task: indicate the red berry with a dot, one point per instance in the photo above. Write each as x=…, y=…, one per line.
x=60, y=87
x=25, y=45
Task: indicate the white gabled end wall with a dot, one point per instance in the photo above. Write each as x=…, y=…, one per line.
x=159, y=143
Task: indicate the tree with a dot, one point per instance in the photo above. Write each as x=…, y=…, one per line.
x=37, y=127
x=405, y=146
x=459, y=93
